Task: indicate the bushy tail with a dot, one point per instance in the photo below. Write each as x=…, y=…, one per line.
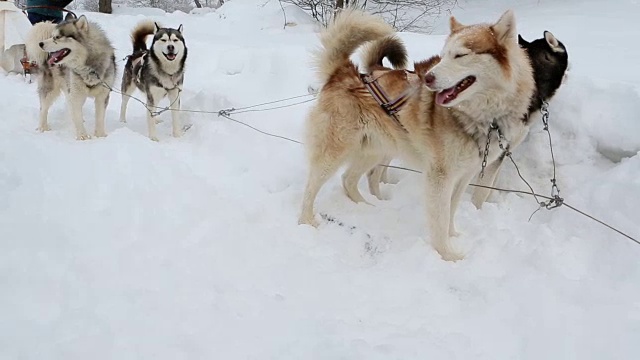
x=140, y=33
x=390, y=47
x=39, y=32
x=350, y=29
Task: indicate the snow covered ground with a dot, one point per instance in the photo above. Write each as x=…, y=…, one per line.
x=123, y=248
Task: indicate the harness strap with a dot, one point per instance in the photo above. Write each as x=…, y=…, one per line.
x=390, y=107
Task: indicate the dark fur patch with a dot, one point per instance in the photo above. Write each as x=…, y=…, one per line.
x=549, y=68
x=391, y=48
x=168, y=32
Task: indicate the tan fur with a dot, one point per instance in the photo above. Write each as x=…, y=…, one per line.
x=347, y=125
x=454, y=25
x=484, y=42
x=350, y=29
x=380, y=172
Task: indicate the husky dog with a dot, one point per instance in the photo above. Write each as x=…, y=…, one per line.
x=158, y=72
x=75, y=57
x=549, y=59
x=483, y=81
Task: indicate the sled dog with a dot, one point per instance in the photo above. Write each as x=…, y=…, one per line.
x=158, y=72
x=549, y=59
x=77, y=58
x=481, y=86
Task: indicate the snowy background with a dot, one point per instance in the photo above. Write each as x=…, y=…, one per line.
x=123, y=248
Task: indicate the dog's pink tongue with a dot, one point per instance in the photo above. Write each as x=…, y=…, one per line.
x=54, y=56
x=441, y=97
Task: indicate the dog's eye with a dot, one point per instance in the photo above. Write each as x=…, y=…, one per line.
x=57, y=37
x=163, y=40
x=547, y=57
x=460, y=55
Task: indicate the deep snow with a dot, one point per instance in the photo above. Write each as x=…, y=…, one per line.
x=189, y=248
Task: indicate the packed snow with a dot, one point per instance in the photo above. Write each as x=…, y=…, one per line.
x=189, y=248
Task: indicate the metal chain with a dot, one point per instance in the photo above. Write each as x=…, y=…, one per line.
x=486, y=149
x=501, y=140
x=555, y=190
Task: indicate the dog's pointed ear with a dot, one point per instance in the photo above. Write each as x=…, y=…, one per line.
x=522, y=42
x=69, y=16
x=553, y=42
x=454, y=24
x=180, y=29
x=505, y=28
x=82, y=23
x=157, y=26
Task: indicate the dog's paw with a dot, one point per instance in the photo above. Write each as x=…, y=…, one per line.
x=358, y=199
x=43, y=128
x=100, y=134
x=154, y=138
x=382, y=197
x=83, y=137
x=123, y=120
x=312, y=222
x=454, y=233
x=451, y=255
x=177, y=133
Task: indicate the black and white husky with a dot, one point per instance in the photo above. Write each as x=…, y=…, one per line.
x=158, y=72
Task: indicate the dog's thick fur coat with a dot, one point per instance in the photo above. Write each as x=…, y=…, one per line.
x=483, y=77
x=158, y=72
x=77, y=58
x=549, y=60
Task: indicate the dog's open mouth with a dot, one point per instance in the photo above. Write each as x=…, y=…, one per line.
x=448, y=95
x=170, y=56
x=56, y=57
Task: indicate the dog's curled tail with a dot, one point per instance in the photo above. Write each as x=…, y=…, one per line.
x=390, y=47
x=140, y=33
x=39, y=32
x=350, y=29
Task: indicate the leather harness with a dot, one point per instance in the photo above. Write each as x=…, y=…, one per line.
x=391, y=107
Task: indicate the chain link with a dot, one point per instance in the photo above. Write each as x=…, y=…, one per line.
x=486, y=150
x=544, y=109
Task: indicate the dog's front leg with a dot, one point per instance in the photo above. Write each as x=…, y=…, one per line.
x=75, y=101
x=101, y=103
x=480, y=194
x=47, y=97
x=174, y=101
x=458, y=191
x=440, y=188
x=151, y=114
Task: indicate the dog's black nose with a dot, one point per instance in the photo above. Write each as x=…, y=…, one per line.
x=429, y=79
x=170, y=48
x=41, y=44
